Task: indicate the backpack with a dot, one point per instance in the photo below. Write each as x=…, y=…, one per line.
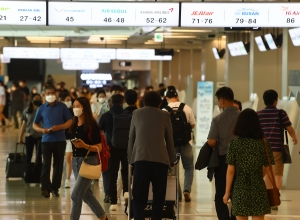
x=181, y=128
x=121, y=127
x=104, y=154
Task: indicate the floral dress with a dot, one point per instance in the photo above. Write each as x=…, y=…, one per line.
x=249, y=195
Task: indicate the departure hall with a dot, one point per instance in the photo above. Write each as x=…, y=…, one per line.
x=84, y=48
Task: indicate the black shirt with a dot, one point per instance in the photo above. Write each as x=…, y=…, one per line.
x=79, y=133
x=106, y=122
x=131, y=109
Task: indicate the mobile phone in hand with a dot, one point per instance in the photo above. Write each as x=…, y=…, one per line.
x=74, y=140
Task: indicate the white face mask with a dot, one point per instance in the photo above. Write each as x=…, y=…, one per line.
x=50, y=98
x=68, y=104
x=101, y=100
x=77, y=111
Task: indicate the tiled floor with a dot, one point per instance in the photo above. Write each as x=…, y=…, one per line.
x=22, y=202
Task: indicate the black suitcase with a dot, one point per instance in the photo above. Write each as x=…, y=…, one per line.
x=15, y=164
x=33, y=171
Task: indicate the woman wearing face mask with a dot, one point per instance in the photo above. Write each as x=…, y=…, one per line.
x=68, y=153
x=85, y=129
x=32, y=137
x=96, y=106
x=73, y=93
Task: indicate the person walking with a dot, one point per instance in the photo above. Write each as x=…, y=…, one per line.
x=247, y=162
x=85, y=129
x=220, y=134
x=96, y=106
x=270, y=122
x=151, y=153
x=55, y=117
x=183, y=129
x=118, y=154
x=17, y=103
x=32, y=137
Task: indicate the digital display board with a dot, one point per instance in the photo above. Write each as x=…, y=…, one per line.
x=203, y=14
x=114, y=13
x=31, y=53
x=23, y=13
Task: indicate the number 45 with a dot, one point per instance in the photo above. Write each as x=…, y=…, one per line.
x=70, y=19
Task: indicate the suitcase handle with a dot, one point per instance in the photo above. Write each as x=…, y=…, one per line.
x=17, y=150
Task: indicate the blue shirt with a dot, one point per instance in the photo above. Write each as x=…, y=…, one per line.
x=53, y=115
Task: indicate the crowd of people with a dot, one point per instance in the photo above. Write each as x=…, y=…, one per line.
x=66, y=124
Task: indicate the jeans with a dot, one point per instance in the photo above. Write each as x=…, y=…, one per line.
x=57, y=149
x=187, y=158
x=14, y=111
x=220, y=184
x=30, y=142
x=145, y=172
x=117, y=156
x=82, y=190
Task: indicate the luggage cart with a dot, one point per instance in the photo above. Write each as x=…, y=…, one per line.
x=171, y=209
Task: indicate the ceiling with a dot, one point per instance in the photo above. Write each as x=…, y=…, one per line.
x=137, y=37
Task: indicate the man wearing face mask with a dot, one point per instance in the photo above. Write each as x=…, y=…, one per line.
x=55, y=117
x=96, y=106
x=219, y=136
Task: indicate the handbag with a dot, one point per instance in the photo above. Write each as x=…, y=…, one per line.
x=273, y=194
x=286, y=155
x=90, y=171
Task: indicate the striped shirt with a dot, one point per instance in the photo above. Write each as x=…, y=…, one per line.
x=270, y=124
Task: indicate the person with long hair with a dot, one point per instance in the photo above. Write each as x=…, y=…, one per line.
x=247, y=162
x=32, y=137
x=85, y=129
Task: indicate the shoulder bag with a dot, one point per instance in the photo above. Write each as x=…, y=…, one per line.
x=286, y=155
x=90, y=171
x=273, y=194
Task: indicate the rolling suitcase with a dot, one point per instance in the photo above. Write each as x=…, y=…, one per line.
x=15, y=164
x=171, y=206
x=32, y=172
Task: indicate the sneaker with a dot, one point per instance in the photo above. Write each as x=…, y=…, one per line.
x=106, y=199
x=55, y=193
x=45, y=193
x=275, y=208
x=113, y=207
x=187, y=197
x=126, y=195
x=67, y=183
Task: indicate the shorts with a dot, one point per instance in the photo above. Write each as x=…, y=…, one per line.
x=278, y=167
x=68, y=146
x=1, y=108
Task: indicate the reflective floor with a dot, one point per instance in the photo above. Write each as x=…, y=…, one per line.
x=21, y=201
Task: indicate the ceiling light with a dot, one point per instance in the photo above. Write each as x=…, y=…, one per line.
x=44, y=42
x=105, y=38
x=188, y=30
x=105, y=42
x=178, y=36
x=46, y=38
x=1, y=38
x=152, y=42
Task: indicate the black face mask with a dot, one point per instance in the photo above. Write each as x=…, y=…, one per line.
x=37, y=102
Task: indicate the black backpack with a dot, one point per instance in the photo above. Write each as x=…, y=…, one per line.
x=181, y=128
x=121, y=127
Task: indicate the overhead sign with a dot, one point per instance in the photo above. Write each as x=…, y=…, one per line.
x=88, y=53
x=139, y=54
x=87, y=65
x=114, y=13
x=240, y=14
x=23, y=13
x=31, y=52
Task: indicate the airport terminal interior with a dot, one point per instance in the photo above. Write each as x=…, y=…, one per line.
x=196, y=46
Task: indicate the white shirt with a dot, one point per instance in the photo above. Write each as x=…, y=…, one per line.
x=2, y=93
x=187, y=110
x=96, y=106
